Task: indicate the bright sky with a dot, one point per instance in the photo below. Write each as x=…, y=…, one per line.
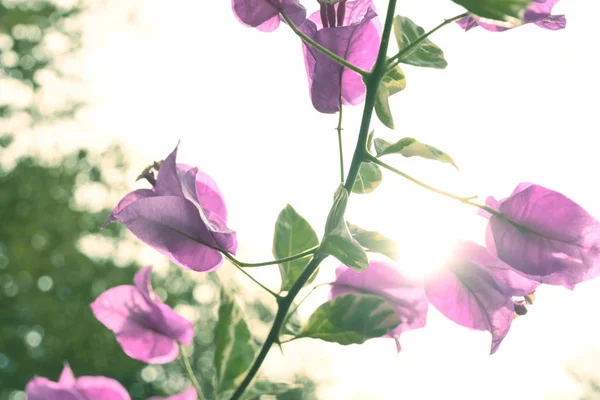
x=511, y=107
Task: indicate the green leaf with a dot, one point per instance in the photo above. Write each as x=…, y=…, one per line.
x=392, y=82
x=374, y=242
x=368, y=179
x=234, y=345
x=425, y=54
x=261, y=388
x=293, y=235
x=499, y=10
x=338, y=241
x=409, y=147
x=351, y=319
x=370, y=140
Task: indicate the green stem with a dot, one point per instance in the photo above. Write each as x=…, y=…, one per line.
x=340, y=147
x=190, y=372
x=396, y=59
x=322, y=49
x=239, y=263
x=465, y=200
x=372, y=81
x=272, y=293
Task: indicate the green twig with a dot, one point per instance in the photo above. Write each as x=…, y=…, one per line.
x=239, y=263
x=190, y=372
x=272, y=293
x=465, y=200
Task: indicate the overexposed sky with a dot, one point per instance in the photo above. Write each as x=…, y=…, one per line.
x=511, y=107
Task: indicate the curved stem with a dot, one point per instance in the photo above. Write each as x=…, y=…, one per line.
x=465, y=200
x=322, y=49
x=190, y=372
x=340, y=147
x=372, y=81
x=396, y=59
x=272, y=293
x=239, y=263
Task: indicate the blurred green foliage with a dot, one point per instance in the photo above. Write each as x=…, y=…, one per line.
x=48, y=275
x=47, y=283
x=34, y=34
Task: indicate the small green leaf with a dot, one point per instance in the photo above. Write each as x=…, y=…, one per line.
x=370, y=140
x=234, y=345
x=368, y=179
x=293, y=235
x=351, y=319
x=338, y=241
x=395, y=80
x=499, y=10
x=374, y=242
x=262, y=388
x=392, y=82
x=425, y=54
x=382, y=106
x=409, y=147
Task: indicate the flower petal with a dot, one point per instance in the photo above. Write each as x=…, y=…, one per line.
x=167, y=181
x=100, y=388
x=558, y=241
x=264, y=14
x=357, y=42
x=44, y=389
x=172, y=226
x=140, y=326
x=539, y=13
x=475, y=296
x=67, y=379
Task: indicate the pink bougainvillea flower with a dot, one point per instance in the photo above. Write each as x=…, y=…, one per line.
x=351, y=31
x=385, y=280
x=539, y=13
x=264, y=14
x=146, y=328
x=476, y=291
x=183, y=216
x=70, y=388
x=189, y=394
x=547, y=237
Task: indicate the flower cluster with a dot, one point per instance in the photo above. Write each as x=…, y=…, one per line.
x=349, y=29
x=535, y=236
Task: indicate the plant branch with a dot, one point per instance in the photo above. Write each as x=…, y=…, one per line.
x=272, y=293
x=190, y=373
x=396, y=59
x=239, y=263
x=465, y=200
x=373, y=80
x=322, y=49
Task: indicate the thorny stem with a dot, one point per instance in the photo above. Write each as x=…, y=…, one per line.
x=239, y=263
x=190, y=372
x=396, y=59
x=322, y=49
x=372, y=82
